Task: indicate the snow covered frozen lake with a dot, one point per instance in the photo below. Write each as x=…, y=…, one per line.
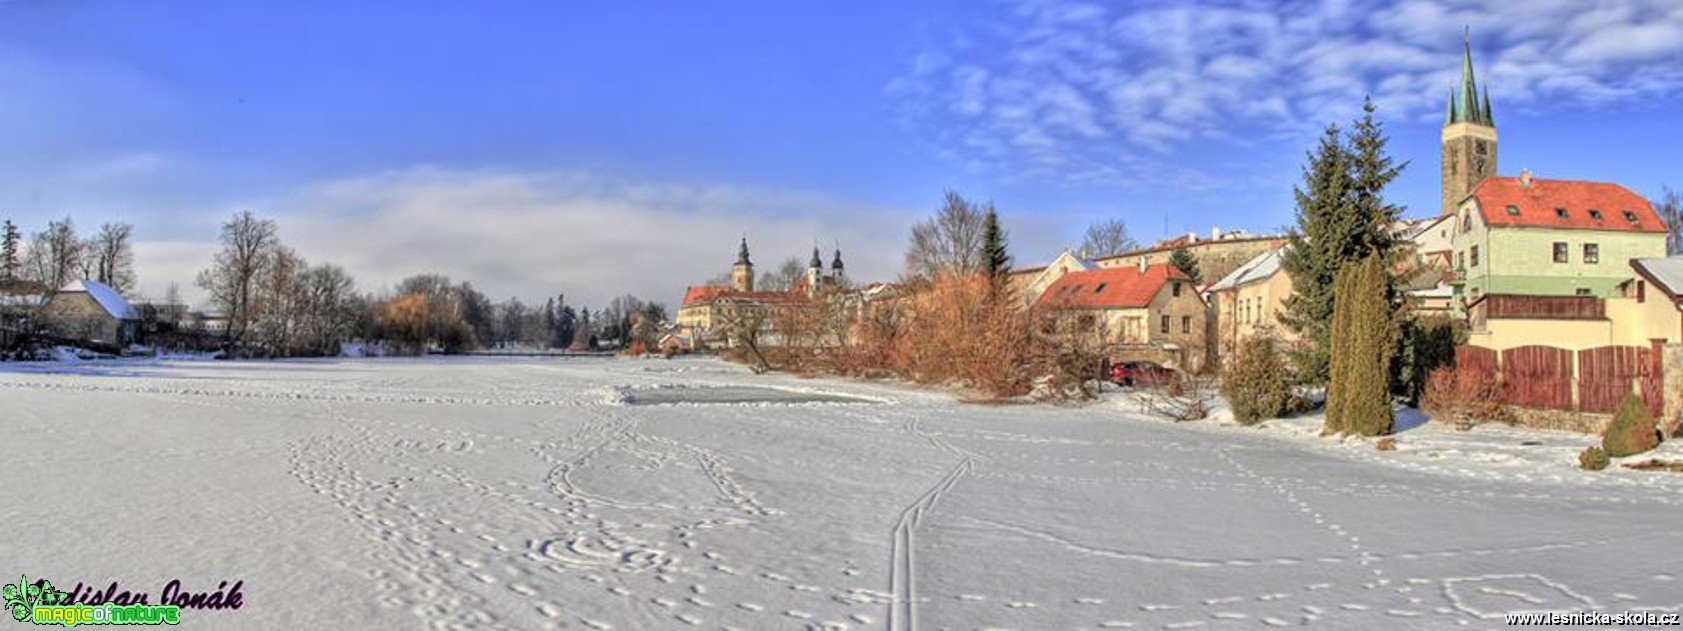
x=533, y=494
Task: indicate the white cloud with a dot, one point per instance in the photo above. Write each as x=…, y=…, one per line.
x=1044, y=86
x=534, y=235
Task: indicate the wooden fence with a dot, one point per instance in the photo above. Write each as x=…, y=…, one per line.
x=1590, y=380
x=1544, y=307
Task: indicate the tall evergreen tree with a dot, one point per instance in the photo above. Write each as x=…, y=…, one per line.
x=1187, y=263
x=10, y=240
x=1317, y=249
x=1342, y=218
x=1359, y=395
x=996, y=256
x=566, y=326
x=1339, y=352
x=549, y=320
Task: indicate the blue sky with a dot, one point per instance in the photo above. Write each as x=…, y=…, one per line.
x=599, y=148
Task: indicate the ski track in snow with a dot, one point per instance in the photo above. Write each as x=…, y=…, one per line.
x=488, y=496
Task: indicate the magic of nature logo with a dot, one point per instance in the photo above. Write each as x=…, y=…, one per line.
x=41, y=603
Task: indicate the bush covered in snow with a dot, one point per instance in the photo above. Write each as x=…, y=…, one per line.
x=1632, y=430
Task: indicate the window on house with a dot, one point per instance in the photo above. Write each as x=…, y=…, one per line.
x=1584, y=291
x=1176, y=287
x=1460, y=260
x=1594, y=214
x=1466, y=221
x=1472, y=256
x=1100, y=288
x=1630, y=216
x=1592, y=253
x=1560, y=213
x=1186, y=324
x=1513, y=210
x=1165, y=324
x=1560, y=251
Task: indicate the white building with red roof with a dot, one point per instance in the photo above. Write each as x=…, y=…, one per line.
x=1143, y=312
x=1532, y=236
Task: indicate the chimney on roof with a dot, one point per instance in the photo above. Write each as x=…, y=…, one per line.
x=1191, y=237
x=1525, y=177
x=1215, y=233
x=1142, y=264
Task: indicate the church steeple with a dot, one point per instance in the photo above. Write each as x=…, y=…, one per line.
x=1469, y=135
x=742, y=273
x=1464, y=105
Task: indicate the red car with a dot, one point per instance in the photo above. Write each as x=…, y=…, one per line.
x=1140, y=373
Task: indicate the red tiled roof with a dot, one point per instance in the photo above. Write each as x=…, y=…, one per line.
x=1538, y=205
x=1113, y=287
x=697, y=294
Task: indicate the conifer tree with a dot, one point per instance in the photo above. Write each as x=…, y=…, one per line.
x=1339, y=351
x=1342, y=218
x=10, y=238
x=996, y=257
x=1187, y=263
x=1359, y=394
x=1316, y=252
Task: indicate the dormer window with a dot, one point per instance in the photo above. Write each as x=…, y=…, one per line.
x=1630, y=216
x=1560, y=213
x=1513, y=210
x=1595, y=214
x=1100, y=288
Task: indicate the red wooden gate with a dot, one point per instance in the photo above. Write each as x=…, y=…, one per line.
x=1537, y=377
x=1608, y=373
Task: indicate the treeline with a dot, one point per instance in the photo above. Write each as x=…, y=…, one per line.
x=264, y=299
x=56, y=255
x=278, y=304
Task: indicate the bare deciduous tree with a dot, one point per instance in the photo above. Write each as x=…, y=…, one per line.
x=782, y=277
x=1669, y=206
x=949, y=242
x=54, y=256
x=111, y=256
x=329, y=306
x=247, y=245
x=1106, y=238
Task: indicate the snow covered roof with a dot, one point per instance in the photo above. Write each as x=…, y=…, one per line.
x=1666, y=273
x=108, y=298
x=1260, y=267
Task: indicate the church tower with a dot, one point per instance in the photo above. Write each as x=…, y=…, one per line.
x=742, y=274
x=1469, y=137
x=814, y=272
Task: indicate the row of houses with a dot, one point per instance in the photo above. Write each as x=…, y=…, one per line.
x=1523, y=260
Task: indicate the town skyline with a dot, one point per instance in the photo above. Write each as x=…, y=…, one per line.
x=664, y=148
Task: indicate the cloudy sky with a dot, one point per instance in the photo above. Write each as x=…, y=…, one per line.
x=601, y=148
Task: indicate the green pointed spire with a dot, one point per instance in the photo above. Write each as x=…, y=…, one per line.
x=1489, y=119
x=816, y=262
x=742, y=253
x=1469, y=86
x=1464, y=105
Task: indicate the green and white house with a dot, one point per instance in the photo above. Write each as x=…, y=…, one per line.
x=1536, y=237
